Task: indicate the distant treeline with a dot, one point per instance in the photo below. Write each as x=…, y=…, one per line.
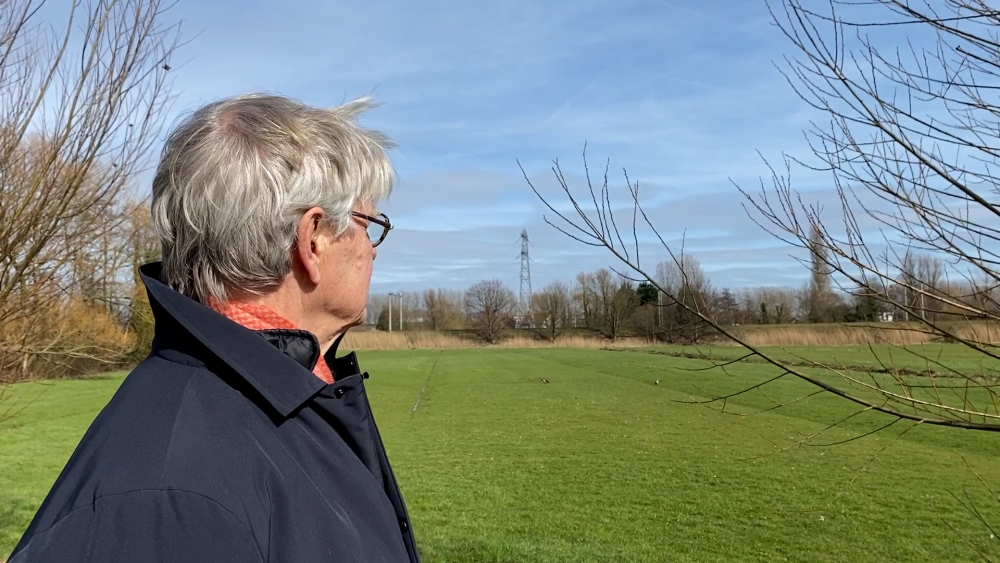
x=611, y=306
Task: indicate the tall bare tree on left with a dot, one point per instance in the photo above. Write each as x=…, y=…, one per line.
x=81, y=103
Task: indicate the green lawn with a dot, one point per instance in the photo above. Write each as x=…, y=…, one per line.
x=602, y=465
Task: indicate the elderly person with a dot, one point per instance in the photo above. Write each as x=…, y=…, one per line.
x=243, y=437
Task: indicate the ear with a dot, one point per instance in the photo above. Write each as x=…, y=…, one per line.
x=308, y=246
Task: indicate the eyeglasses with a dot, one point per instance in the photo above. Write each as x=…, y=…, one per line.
x=378, y=227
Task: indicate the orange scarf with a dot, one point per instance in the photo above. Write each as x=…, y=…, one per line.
x=259, y=317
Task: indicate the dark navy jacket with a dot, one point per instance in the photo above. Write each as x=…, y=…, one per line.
x=222, y=446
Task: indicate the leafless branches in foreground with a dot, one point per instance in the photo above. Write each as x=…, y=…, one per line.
x=911, y=147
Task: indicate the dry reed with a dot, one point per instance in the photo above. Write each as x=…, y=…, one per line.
x=372, y=340
x=862, y=334
x=754, y=335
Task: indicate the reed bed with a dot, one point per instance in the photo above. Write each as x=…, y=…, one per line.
x=899, y=334
x=422, y=340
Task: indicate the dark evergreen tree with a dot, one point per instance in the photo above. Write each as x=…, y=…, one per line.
x=646, y=292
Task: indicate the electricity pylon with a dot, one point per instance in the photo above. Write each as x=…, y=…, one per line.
x=524, y=316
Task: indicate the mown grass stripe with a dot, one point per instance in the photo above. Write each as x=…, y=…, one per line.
x=427, y=381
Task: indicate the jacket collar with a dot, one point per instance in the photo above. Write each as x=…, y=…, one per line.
x=281, y=373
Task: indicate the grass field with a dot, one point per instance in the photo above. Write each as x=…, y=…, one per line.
x=602, y=465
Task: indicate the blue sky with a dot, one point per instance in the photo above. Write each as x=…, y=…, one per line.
x=681, y=94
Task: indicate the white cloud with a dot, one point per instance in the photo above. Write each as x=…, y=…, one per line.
x=681, y=94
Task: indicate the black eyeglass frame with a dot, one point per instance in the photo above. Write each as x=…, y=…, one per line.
x=382, y=220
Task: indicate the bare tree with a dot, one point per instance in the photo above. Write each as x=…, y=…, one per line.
x=927, y=273
x=774, y=305
x=585, y=298
x=442, y=309
x=80, y=109
x=616, y=300
x=917, y=166
x=433, y=315
x=686, y=280
x=911, y=146
x=645, y=320
x=490, y=306
x=552, y=308
x=819, y=300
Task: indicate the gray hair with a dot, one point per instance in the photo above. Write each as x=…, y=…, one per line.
x=235, y=178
